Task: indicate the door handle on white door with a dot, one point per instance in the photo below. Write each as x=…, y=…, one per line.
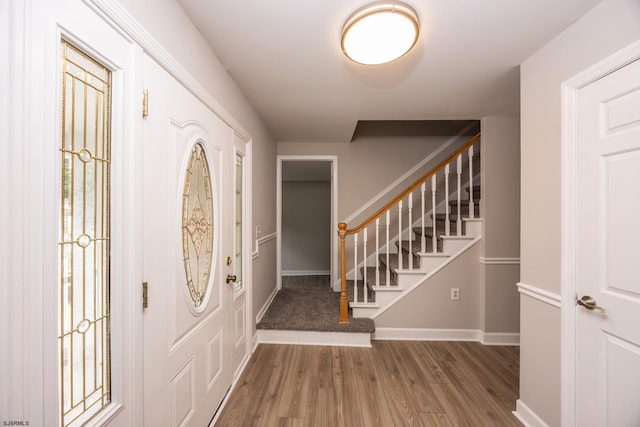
x=589, y=303
x=231, y=278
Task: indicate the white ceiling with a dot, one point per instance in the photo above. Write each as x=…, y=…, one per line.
x=285, y=56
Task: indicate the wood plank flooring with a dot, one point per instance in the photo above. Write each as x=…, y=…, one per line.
x=394, y=383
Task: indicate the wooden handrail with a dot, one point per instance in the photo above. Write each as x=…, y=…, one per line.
x=413, y=186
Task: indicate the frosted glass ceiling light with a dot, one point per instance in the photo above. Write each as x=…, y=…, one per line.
x=379, y=33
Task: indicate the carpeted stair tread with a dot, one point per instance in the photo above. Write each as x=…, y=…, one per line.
x=371, y=295
x=371, y=278
x=416, y=247
x=452, y=217
x=464, y=208
x=428, y=231
x=476, y=192
x=393, y=263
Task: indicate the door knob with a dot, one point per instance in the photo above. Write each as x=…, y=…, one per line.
x=589, y=303
x=231, y=278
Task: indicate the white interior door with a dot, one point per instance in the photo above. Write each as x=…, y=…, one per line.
x=608, y=237
x=187, y=207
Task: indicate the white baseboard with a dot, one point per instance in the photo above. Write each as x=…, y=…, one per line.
x=266, y=305
x=419, y=334
x=526, y=416
x=305, y=273
x=340, y=339
x=501, y=338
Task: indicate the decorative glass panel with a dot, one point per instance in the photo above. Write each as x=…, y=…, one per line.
x=197, y=225
x=84, y=242
x=239, y=199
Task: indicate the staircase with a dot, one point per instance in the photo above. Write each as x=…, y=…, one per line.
x=401, y=246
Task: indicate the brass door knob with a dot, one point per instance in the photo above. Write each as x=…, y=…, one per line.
x=231, y=278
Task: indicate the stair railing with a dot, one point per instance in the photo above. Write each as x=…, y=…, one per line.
x=385, y=214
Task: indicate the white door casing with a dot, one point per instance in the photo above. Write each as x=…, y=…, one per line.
x=601, y=346
x=187, y=345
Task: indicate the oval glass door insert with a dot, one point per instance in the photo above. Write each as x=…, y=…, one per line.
x=197, y=225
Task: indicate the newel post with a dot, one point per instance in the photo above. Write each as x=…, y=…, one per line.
x=344, y=302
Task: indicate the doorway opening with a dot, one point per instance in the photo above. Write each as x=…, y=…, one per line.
x=307, y=220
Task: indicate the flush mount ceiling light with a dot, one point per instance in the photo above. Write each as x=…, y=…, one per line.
x=379, y=33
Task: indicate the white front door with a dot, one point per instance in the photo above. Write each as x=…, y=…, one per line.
x=607, y=246
x=187, y=210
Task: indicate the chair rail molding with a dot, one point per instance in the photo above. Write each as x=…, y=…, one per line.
x=261, y=241
x=499, y=261
x=540, y=294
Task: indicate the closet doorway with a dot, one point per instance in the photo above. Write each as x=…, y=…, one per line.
x=307, y=219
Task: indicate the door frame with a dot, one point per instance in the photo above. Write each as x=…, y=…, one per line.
x=334, y=210
x=569, y=146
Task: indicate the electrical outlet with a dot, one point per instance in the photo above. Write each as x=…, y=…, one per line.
x=455, y=294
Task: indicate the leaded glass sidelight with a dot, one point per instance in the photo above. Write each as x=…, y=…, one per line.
x=84, y=238
x=238, y=286
x=197, y=225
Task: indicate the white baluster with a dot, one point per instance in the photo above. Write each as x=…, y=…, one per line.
x=410, y=231
x=400, y=235
x=355, y=268
x=472, y=211
x=459, y=171
x=377, y=252
x=447, y=225
x=388, y=272
x=365, y=276
x=423, y=241
x=434, y=247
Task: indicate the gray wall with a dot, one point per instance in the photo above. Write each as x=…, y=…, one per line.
x=369, y=164
x=500, y=208
x=430, y=306
x=607, y=28
x=169, y=25
x=306, y=227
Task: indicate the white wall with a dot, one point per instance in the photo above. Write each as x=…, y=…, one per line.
x=607, y=28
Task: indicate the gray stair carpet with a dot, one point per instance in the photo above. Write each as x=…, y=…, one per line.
x=308, y=304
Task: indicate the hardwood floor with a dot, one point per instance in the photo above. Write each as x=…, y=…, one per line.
x=394, y=383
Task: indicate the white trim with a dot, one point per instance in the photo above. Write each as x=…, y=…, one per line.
x=338, y=339
x=526, y=416
x=236, y=377
x=305, y=273
x=266, y=305
x=18, y=399
x=407, y=174
x=501, y=338
x=426, y=334
x=569, y=144
x=499, y=261
x=334, y=210
x=262, y=241
x=540, y=294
